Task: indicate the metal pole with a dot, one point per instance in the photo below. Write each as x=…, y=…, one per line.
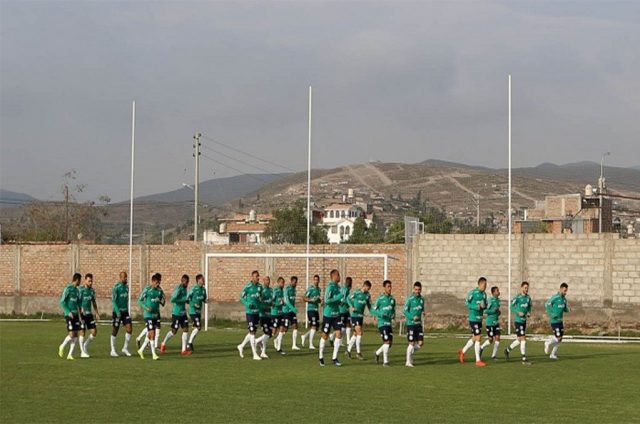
x=308, y=205
x=196, y=155
x=509, y=213
x=133, y=152
x=478, y=210
x=163, y=237
x=600, y=191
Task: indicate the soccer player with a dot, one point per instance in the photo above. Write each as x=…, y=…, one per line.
x=70, y=303
x=414, y=313
x=290, y=311
x=345, y=322
x=358, y=300
x=144, y=331
x=521, y=306
x=312, y=297
x=556, y=306
x=385, y=311
x=277, y=316
x=87, y=301
x=120, y=315
x=149, y=301
x=476, y=302
x=493, y=322
x=331, y=318
x=250, y=298
x=197, y=296
x=265, y=317
x=179, y=316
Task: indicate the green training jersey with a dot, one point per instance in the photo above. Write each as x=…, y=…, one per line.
x=149, y=301
x=266, y=302
x=313, y=294
x=87, y=297
x=179, y=301
x=278, y=301
x=120, y=297
x=289, y=300
x=359, y=300
x=384, y=310
x=332, y=299
x=556, y=306
x=521, y=304
x=344, y=306
x=250, y=298
x=413, y=310
x=70, y=299
x=493, y=311
x=476, y=302
x=197, y=296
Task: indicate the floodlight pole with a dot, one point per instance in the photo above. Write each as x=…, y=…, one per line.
x=133, y=153
x=509, y=213
x=308, y=205
x=196, y=155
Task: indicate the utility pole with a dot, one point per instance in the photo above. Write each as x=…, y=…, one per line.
x=66, y=212
x=478, y=210
x=196, y=155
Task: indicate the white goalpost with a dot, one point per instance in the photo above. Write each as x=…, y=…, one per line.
x=383, y=256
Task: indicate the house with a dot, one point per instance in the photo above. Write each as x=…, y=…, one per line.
x=339, y=218
x=240, y=229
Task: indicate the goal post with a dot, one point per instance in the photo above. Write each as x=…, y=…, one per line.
x=380, y=256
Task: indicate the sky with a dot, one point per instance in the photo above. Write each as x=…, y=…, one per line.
x=392, y=81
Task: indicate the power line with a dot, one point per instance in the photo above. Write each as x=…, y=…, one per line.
x=234, y=169
x=238, y=160
x=248, y=154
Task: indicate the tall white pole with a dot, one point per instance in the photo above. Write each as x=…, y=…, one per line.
x=196, y=185
x=509, y=213
x=133, y=153
x=309, y=215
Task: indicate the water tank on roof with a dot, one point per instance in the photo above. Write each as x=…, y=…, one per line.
x=588, y=190
x=252, y=216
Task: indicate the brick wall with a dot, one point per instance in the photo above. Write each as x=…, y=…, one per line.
x=603, y=271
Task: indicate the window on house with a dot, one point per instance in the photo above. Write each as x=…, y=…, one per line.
x=334, y=230
x=347, y=230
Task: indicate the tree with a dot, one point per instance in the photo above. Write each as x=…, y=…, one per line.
x=362, y=234
x=290, y=226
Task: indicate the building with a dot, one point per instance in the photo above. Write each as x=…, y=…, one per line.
x=567, y=213
x=240, y=229
x=339, y=218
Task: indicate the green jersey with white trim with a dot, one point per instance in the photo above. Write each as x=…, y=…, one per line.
x=493, y=311
x=332, y=299
x=556, y=306
x=521, y=304
x=69, y=301
x=150, y=298
x=179, y=301
x=289, y=300
x=413, y=309
x=197, y=296
x=250, y=297
x=359, y=300
x=313, y=294
x=87, y=297
x=120, y=297
x=476, y=302
x=384, y=309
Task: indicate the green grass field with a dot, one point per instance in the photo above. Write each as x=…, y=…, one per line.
x=590, y=383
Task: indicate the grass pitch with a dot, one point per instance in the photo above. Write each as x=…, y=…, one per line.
x=590, y=383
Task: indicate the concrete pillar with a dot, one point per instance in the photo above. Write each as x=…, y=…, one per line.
x=607, y=278
x=17, y=296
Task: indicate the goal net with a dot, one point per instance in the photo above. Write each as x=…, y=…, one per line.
x=227, y=273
